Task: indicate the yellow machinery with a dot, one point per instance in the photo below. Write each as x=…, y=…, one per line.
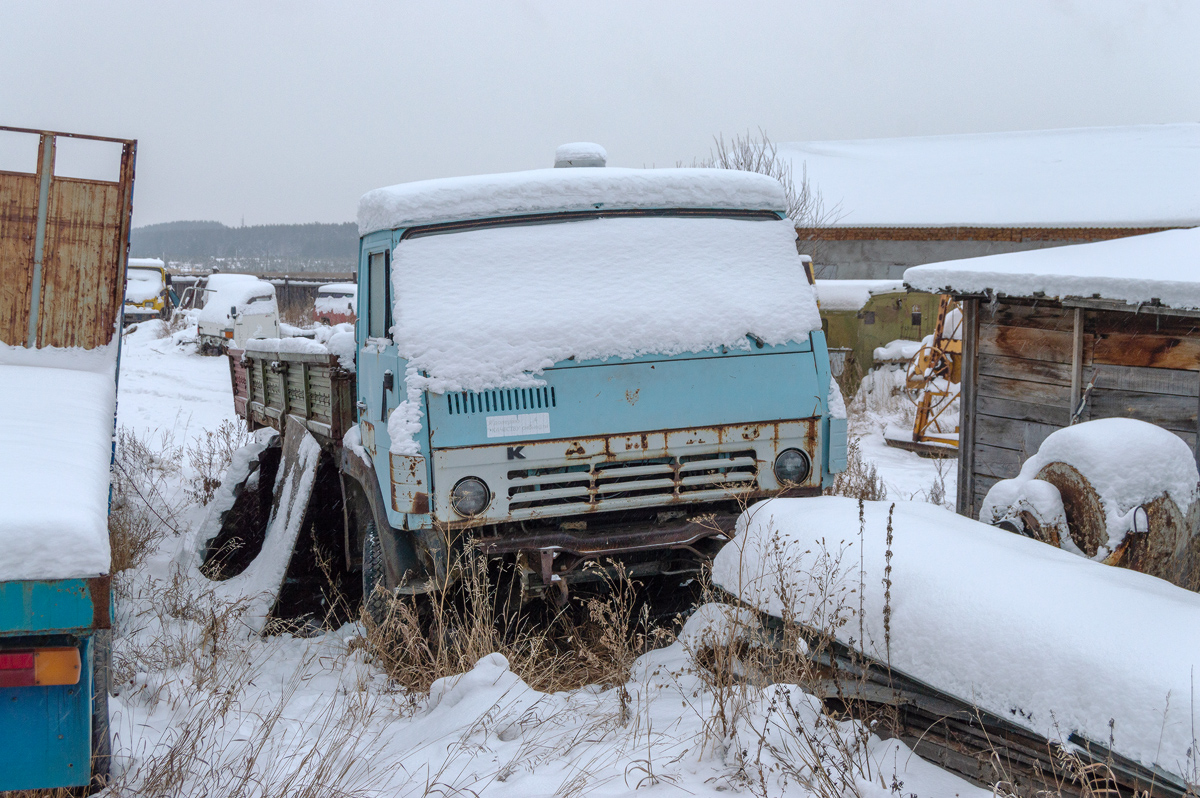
x=932, y=379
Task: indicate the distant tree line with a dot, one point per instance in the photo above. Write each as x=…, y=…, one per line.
x=201, y=242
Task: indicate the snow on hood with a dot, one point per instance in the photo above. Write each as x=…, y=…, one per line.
x=1157, y=266
x=556, y=190
x=244, y=291
x=142, y=284
x=853, y=294
x=494, y=307
x=1135, y=176
x=1047, y=640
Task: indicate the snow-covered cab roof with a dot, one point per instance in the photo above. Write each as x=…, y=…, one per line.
x=244, y=291
x=146, y=263
x=1135, y=176
x=1139, y=269
x=338, y=288
x=571, y=189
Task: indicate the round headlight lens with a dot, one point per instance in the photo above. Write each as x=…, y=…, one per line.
x=792, y=466
x=470, y=496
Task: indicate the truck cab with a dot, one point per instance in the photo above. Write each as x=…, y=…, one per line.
x=235, y=308
x=147, y=290
x=581, y=365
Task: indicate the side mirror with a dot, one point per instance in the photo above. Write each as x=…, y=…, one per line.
x=233, y=311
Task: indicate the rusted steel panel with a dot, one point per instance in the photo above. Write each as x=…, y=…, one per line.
x=18, y=225
x=82, y=273
x=70, y=296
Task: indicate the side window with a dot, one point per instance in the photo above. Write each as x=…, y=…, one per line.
x=379, y=316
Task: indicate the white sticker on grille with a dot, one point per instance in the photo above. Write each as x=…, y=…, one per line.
x=524, y=424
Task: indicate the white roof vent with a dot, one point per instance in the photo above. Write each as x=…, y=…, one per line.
x=580, y=153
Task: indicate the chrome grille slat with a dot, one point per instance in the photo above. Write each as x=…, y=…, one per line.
x=634, y=471
x=732, y=462
x=631, y=483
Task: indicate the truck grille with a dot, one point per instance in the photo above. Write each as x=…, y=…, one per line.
x=588, y=486
x=467, y=402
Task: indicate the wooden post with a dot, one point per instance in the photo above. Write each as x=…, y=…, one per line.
x=1076, y=366
x=965, y=504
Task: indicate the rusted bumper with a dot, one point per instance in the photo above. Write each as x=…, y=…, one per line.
x=560, y=554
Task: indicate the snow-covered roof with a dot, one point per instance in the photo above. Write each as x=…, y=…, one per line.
x=573, y=189
x=56, y=427
x=1136, y=176
x=146, y=263
x=1163, y=266
x=853, y=294
x=489, y=307
x=349, y=288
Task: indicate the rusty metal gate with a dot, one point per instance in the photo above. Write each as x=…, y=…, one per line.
x=64, y=243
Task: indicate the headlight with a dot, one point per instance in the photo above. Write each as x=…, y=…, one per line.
x=470, y=496
x=792, y=466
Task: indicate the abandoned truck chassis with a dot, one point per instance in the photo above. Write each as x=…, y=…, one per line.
x=660, y=503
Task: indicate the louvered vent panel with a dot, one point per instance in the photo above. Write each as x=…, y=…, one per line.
x=510, y=400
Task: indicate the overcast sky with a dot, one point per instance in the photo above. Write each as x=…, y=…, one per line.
x=289, y=111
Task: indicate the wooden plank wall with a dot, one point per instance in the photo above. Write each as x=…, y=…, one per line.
x=1146, y=366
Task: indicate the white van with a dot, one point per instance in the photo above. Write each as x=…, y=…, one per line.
x=237, y=307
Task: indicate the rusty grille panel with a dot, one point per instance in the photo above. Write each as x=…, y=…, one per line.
x=511, y=400
x=653, y=479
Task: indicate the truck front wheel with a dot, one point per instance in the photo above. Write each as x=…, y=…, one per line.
x=375, y=594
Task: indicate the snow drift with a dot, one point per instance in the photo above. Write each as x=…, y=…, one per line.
x=1050, y=641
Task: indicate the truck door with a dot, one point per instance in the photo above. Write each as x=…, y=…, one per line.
x=379, y=380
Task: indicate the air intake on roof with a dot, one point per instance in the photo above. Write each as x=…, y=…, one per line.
x=580, y=153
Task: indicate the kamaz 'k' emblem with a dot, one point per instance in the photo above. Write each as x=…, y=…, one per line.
x=514, y=453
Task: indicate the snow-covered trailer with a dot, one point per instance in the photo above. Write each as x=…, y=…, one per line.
x=63, y=248
x=1054, y=337
x=565, y=366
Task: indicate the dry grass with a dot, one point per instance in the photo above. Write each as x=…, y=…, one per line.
x=210, y=455
x=594, y=641
x=144, y=507
x=861, y=479
x=743, y=662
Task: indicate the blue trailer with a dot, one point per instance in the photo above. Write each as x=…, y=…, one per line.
x=563, y=370
x=63, y=248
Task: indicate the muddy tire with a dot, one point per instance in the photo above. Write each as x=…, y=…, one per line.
x=374, y=576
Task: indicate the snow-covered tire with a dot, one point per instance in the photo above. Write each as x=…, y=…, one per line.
x=375, y=597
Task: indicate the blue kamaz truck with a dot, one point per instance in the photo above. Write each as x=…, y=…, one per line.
x=63, y=249
x=561, y=370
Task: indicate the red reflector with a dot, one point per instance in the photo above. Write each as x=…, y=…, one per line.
x=17, y=669
x=16, y=660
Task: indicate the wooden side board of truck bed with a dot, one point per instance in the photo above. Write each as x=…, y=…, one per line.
x=313, y=388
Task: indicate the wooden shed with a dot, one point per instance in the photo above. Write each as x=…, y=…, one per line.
x=1110, y=329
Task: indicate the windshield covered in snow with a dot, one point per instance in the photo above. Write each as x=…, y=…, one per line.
x=487, y=307
x=142, y=284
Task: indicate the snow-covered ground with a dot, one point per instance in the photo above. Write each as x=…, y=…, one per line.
x=202, y=708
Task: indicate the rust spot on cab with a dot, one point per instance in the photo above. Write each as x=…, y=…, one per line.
x=420, y=503
x=575, y=449
x=632, y=396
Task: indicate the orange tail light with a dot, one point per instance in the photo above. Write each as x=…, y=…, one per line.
x=40, y=667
